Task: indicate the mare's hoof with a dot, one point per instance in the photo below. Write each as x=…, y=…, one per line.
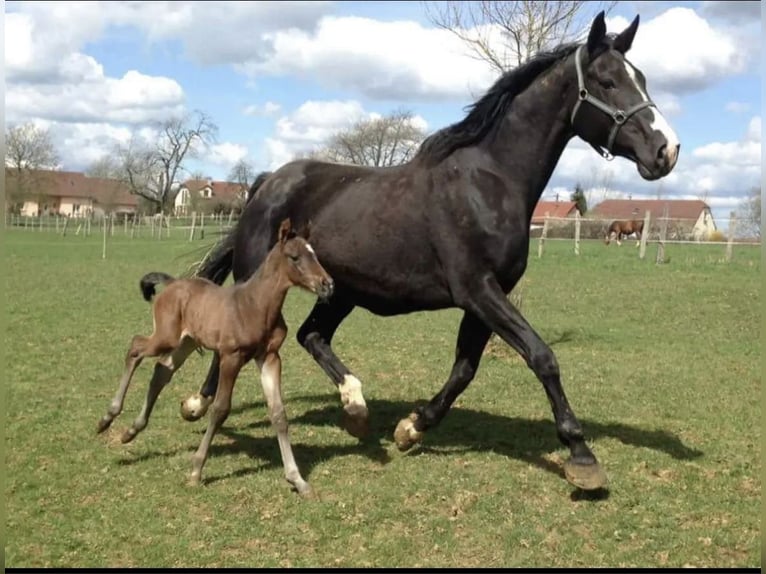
x=103, y=424
x=406, y=434
x=585, y=476
x=356, y=420
x=195, y=407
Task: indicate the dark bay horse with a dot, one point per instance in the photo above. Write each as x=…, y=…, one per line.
x=619, y=229
x=240, y=322
x=450, y=228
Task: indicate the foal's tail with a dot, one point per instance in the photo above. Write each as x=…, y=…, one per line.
x=149, y=281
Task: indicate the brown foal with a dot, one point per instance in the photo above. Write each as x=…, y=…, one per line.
x=240, y=322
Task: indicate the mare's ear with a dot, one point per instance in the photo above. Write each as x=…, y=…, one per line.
x=306, y=232
x=284, y=230
x=624, y=40
x=597, y=32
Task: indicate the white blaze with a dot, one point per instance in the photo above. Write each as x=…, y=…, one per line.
x=659, y=123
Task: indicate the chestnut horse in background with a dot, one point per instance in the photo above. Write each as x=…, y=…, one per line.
x=619, y=229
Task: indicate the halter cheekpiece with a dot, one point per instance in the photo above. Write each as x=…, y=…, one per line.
x=618, y=116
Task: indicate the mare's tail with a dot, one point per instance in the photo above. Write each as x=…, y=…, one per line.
x=150, y=280
x=218, y=263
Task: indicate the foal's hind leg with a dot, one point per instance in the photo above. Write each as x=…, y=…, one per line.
x=133, y=358
x=315, y=335
x=164, y=370
x=471, y=340
x=271, y=374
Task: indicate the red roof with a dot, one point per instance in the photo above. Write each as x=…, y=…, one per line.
x=221, y=189
x=554, y=209
x=75, y=184
x=636, y=208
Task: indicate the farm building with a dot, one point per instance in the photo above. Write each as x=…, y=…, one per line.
x=209, y=196
x=70, y=193
x=689, y=218
x=555, y=209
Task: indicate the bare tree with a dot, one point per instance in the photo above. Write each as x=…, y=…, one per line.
x=28, y=150
x=506, y=33
x=153, y=171
x=242, y=173
x=749, y=214
x=386, y=141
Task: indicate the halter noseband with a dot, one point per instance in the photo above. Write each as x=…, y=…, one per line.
x=619, y=116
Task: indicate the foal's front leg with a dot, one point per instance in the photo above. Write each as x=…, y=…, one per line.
x=271, y=375
x=230, y=365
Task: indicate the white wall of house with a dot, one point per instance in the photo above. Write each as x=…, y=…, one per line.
x=704, y=226
x=76, y=206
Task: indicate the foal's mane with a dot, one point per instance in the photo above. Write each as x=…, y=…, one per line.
x=492, y=106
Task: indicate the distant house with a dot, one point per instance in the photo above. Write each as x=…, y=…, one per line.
x=207, y=195
x=70, y=193
x=555, y=209
x=690, y=218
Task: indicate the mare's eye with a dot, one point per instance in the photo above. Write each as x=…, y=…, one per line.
x=607, y=84
x=293, y=258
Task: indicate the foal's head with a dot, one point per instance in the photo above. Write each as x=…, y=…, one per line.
x=300, y=262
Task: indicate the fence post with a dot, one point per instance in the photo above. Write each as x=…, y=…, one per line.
x=663, y=236
x=645, y=234
x=730, y=241
x=103, y=247
x=194, y=223
x=543, y=235
x=577, y=233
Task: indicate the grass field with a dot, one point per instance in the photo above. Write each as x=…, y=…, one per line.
x=660, y=363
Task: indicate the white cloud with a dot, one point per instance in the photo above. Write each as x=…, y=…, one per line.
x=225, y=154
x=737, y=107
x=685, y=62
x=267, y=109
x=309, y=126
x=399, y=60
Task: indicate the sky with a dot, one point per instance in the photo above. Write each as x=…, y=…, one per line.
x=278, y=78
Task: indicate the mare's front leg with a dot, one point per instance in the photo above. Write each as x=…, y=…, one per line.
x=488, y=302
x=471, y=340
x=271, y=375
x=230, y=365
x=315, y=335
x=164, y=370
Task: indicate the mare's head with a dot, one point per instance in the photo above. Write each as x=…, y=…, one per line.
x=614, y=110
x=301, y=264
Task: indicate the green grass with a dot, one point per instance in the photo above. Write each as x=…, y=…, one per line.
x=660, y=363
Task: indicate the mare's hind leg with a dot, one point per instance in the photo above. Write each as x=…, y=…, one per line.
x=488, y=302
x=136, y=353
x=194, y=407
x=271, y=374
x=471, y=340
x=164, y=370
x=315, y=335
x=230, y=366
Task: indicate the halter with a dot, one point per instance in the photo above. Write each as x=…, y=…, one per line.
x=619, y=116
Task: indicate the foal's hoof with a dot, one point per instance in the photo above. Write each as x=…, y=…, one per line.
x=128, y=435
x=103, y=424
x=195, y=407
x=406, y=434
x=356, y=420
x=585, y=476
x=195, y=480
